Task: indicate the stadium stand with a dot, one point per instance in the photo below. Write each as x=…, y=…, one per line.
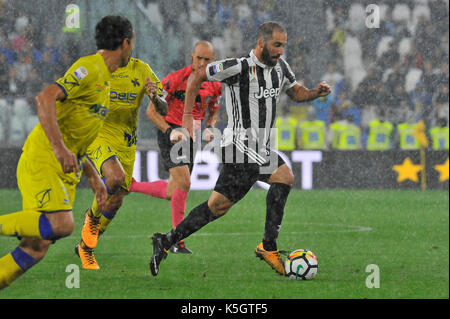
x=409, y=48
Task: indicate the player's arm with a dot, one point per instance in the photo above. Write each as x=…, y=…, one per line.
x=154, y=114
x=194, y=83
x=212, y=117
x=299, y=93
x=208, y=134
x=156, y=118
x=162, y=125
x=46, y=109
x=159, y=103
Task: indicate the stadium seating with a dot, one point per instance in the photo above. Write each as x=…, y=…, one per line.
x=411, y=79
x=17, y=132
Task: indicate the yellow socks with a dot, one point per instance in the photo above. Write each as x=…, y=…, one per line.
x=13, y=265
x=105, y=219
x=95, y=209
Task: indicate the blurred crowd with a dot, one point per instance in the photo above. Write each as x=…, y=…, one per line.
x=228, y=24
x=395, y=72
x=30, y=59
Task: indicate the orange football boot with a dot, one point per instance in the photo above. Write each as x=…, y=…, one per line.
x=87, y=256
x=272, y=258
x=90, y=230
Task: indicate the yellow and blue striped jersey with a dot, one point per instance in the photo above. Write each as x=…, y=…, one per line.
x=127, y=92
x=82, y=113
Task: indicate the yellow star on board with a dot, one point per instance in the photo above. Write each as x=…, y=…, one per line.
x=443, y=171
x=407, y=170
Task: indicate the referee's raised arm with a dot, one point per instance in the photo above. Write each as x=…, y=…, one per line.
x=194, y=83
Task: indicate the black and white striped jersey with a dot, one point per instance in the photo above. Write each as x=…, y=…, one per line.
x=251, y=91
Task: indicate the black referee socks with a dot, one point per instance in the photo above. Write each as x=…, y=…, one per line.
x=197, y=218
x=275, y=201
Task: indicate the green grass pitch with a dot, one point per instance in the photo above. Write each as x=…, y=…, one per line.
x=404, y=233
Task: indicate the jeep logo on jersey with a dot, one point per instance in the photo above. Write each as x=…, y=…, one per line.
x=267, y=93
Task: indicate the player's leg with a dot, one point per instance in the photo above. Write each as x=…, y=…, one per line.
x=117, y=173
x=33, y=223
x=112, y=206
x=154, y=189
x=157, y=189
x=196, y=219
x=47, y=201
x=33, y=249
x=30, y=251
x=177, y=191
x=97, y=220
x=114, y=176
x=280, y=185
x=216, y=206
x=106, y=161
x=280, y=182
x=42, y=190
x=234, y=182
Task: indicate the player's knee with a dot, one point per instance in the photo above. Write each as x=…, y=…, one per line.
x=283, y=175
x=115, y=182
x=185, y=185
x=63, y=230
x=219, y=208
x=62, y=225
x=289, y=178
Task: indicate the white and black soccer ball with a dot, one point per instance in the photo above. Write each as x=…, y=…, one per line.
x=301, y=264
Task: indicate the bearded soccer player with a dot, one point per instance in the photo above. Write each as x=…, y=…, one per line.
x=113, y=151
x=71, y=112
x=177, y=188
x=252, y=88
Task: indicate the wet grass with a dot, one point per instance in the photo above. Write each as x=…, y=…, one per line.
x=404, y=233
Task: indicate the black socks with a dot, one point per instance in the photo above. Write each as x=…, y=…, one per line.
x=202, y=215
x=275, y=201
x=197, y=218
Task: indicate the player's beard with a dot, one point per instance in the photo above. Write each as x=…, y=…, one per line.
x=266, y=57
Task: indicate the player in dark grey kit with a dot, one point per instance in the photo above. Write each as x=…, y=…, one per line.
x=252, y=88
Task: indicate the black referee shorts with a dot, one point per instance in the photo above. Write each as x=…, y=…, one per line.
x=236, y=179
x=165, y=146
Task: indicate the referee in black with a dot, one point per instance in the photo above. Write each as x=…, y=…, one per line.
x=252, y=88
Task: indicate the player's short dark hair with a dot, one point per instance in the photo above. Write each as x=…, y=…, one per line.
x=266, y=30
x=111, y=30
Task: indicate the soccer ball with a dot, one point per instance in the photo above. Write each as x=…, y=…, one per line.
x=301, y=264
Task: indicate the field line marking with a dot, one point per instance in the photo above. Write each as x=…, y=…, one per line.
x=351, y=229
